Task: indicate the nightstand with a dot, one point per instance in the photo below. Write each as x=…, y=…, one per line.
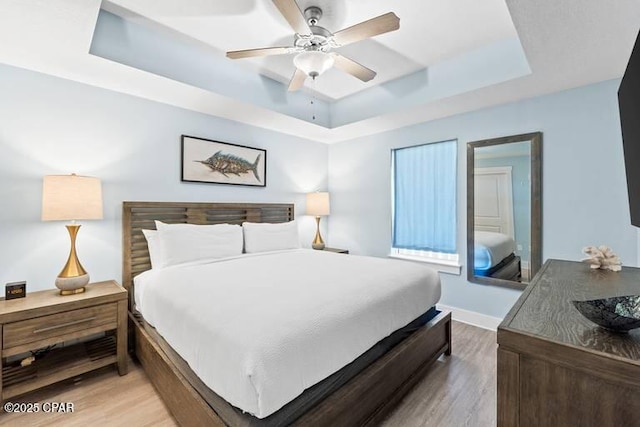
x=336, y=250
x=45, y=320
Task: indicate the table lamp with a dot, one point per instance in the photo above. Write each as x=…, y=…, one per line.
x=318, y=205
x=71, y=198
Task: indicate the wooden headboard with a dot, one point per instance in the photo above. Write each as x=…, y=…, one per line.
x=141, y=215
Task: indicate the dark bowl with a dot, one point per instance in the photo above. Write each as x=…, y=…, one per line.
x=619, y=314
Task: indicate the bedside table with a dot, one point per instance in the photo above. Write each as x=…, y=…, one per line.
x=45, y=319
x=336, y=250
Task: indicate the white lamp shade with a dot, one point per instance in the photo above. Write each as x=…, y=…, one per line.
x=313, y=63
x=318, y=203
x=71, y=197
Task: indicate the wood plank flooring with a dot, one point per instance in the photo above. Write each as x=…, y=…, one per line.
x=457, y=391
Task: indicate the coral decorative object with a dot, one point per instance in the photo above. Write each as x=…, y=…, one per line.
x=602, y=257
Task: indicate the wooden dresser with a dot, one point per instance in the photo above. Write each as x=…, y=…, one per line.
x=556, y=368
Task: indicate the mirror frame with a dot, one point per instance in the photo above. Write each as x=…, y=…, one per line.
x=536, y=207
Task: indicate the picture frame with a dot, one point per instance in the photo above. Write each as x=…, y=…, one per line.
x=216, y=162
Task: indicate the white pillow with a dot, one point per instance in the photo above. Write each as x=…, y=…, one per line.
x=182, y=243
x=263, y=237
x=155, y=251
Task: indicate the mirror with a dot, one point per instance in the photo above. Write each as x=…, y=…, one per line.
x=504, y=210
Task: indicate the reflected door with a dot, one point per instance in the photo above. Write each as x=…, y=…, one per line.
x=494, y=200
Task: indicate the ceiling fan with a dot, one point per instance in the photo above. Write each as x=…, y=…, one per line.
x=313, y=43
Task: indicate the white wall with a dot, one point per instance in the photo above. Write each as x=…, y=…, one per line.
x=584, y=186
x=54, y=126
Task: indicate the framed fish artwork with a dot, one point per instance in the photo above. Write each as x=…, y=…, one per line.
x=204, y=160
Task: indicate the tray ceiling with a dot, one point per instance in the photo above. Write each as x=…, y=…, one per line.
x=430, y=31
x=567, y=44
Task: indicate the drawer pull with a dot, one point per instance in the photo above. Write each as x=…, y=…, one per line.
x=75, y=322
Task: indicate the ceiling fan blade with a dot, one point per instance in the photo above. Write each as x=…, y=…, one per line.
x=373, y=27
x=266, y=51
x=352, y=67
x=292, y=13
x=297, y=81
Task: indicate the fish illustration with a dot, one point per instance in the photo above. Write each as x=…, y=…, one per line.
x=228, y=164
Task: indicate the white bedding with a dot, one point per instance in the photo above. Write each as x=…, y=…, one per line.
x=259, y=329
x=490, y=248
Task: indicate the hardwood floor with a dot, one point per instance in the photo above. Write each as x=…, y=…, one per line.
x=102, y=398
x=457, y=391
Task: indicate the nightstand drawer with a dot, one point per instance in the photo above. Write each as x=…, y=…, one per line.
x=55, y=325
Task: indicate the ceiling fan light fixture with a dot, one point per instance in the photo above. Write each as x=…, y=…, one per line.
x=313, y=63
x=313, y=43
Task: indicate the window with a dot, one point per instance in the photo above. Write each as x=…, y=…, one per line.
x=424, y=203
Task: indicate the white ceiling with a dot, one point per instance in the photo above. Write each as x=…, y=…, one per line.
x=430, y=31
x=568, y=43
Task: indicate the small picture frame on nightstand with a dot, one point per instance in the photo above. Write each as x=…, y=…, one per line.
x=15, y=290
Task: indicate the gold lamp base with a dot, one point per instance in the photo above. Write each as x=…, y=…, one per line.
x=72, y=285
x=318, y=243
x=73, y=278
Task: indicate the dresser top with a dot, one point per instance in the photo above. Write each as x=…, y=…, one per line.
x=544, y=310
x=50, y=301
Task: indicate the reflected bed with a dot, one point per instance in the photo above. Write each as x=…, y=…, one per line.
x=494, y=256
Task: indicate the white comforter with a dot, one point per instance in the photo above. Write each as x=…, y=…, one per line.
x=260, y=329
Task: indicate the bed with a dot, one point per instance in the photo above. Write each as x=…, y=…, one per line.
x=362, y=389
x=494, y=256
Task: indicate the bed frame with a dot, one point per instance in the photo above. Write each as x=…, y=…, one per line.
x=364, y=400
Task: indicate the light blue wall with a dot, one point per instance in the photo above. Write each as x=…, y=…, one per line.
x=520, y=184
x=49, y=125
x=54, y=126
x=584, y=187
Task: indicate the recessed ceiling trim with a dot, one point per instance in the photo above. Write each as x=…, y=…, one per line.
x=54, y=37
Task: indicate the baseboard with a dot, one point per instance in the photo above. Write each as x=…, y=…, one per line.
x=471, y=317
